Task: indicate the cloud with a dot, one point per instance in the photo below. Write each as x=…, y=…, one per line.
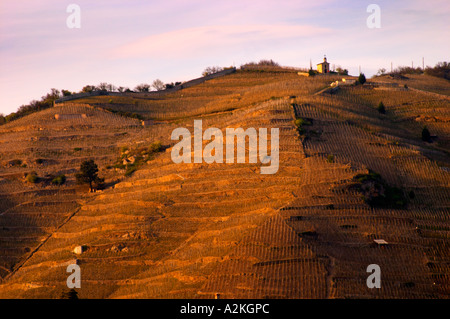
x=210, y=39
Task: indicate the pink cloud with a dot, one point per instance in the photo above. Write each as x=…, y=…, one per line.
x=210, y=39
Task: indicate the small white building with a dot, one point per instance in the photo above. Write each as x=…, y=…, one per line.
x=380, y=242
x=323, y=67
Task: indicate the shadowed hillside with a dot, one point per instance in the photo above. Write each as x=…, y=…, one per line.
x=348, y=175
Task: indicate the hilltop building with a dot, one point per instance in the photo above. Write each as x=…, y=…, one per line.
x=323, y=67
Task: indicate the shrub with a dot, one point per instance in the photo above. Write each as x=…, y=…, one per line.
x=66, y=93
x=137, y=156
x=155, y=147
x=330, y=158
x=16, y=162
x=142, y=87
x=426, y=136
x=77, y=149
x=59, y=180
x=381, y=108
x=88, y=88
x=211, y=70
x=71, y=294
x=268, y=62
x=300, y=122
x=377, y=193
x=130, y=169
x=362, y=78
x=341, y=71
x=32, y=178
x=39, y=161
x=441, y=69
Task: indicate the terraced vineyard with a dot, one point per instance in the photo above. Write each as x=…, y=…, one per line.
x=201, y=230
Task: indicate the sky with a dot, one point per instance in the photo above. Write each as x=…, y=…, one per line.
x=135, y=41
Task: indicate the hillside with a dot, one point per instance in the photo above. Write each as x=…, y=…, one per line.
x=196, y=230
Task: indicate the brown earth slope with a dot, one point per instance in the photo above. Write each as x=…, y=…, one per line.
x=197, y=230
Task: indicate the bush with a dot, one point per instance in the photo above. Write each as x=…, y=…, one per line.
x=407, y=70
x=32, y=178
x=362, y=78
x=300, y=122
x=268, y=62
x=130, y=169
x=155, y=147
x=16, y=162
x=59, y=180
x=426, y=136
x=66, y=93
x=39, y=161
x=136, y=157
x=71, y=294
x=330, y=158
x=341, y=71
x=441, y=70
x=377, y=193
x=142, y=87
x=381, y=108
x=211, y=70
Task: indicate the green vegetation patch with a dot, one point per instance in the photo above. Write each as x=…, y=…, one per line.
x=300, y=123
x=32, y=178
x=132, y=158
x=59, y=180
x=377, y=193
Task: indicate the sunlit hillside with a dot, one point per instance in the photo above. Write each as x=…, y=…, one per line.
x=348, y=175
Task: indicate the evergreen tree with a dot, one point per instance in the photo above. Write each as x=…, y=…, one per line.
x=362, y=78
x=426, y=136
x=381, y=108
x=88, y=174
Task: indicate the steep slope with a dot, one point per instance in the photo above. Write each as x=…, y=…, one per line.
x=198, y=230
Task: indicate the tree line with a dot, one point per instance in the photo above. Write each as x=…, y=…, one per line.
x=54, y=94
x=47, y=100
x=440, y=70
